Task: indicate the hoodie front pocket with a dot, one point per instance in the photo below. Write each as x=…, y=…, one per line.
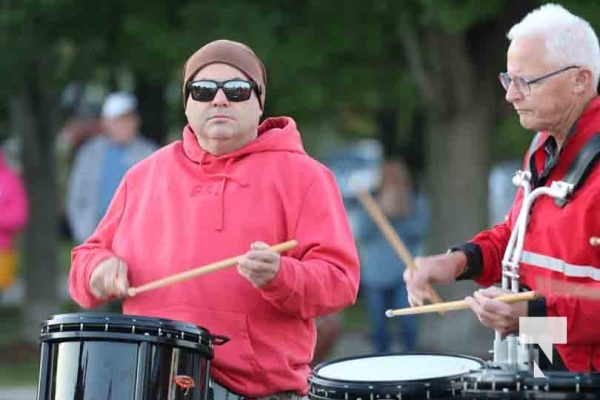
x=238, y=354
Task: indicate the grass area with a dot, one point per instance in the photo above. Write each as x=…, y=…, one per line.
x=9, y=318
x=355, y=317
x=19, y=363
x=23, y=373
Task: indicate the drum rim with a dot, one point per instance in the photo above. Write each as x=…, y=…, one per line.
x=123, y=320
x=555, y=379
x=314, y=372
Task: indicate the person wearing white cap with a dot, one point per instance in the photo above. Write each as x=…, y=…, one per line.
x=101, y=163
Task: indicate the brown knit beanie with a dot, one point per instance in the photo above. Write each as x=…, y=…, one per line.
x=236, y=54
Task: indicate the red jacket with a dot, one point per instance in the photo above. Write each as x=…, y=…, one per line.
x=557, y=248
x=183, y=207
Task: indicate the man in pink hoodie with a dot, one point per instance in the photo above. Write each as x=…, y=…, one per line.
x=13, y=216
x=230, y=186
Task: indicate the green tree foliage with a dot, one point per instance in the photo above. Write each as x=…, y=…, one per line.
x=459, y=16
x=420, y=75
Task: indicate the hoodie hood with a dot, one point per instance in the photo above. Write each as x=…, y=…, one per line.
x=277, y=134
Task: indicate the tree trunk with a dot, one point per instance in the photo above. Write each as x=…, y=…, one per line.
x=460, y=119
x=31, y=118
x=152, y=106
x=457, y=179
x=457, y=171
x=387, y=131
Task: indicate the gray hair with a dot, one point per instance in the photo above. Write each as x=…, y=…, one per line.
x=570, y=40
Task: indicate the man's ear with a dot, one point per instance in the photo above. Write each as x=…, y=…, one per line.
x=583, y=80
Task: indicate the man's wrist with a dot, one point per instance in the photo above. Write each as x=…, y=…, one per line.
x=537, y=308
x=474, y=260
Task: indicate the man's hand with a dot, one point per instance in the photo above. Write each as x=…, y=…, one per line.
x=260, y=264
x=441, y=268
x=500, y=316
x=109, y=279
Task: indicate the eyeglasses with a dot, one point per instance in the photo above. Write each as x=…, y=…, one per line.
x=524, y=85
x=234, y=89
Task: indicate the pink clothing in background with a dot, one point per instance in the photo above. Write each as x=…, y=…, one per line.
x=13, y=204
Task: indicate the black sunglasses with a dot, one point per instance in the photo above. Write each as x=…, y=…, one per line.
x=234, y=89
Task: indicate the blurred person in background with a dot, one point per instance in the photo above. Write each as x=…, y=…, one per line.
x=355, y=165
x=13, y=217
x=230, y=186
x=501, y=190
x=101, y=163
x=83, y=122
x=553, y=69
x=381, y=269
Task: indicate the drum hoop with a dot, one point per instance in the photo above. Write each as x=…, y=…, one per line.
x=125, y=324
x=553, y=381
x=414, y=382
x=70, y=336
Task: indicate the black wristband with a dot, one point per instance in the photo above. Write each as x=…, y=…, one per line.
x=537, y=308
x=474, y=260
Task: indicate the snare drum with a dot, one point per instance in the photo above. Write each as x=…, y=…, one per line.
x=123, y=357
x=399, y=376
x=495, y=383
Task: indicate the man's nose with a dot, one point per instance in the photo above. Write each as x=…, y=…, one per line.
x=512, y=93
x=220, y=98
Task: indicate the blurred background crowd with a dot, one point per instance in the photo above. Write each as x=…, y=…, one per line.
x=400, y=91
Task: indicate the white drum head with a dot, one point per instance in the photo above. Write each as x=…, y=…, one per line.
x=398, y=368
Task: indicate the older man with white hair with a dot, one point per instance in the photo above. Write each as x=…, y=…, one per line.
x=553, y=66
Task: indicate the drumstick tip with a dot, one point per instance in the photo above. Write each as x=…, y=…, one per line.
x=131, y=292
x=595, y=241
x=389, y=313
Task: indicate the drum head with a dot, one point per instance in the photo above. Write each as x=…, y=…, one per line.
x=398, y=368
x=414, y=375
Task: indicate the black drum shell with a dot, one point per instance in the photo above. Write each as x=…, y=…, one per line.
x=89, y=356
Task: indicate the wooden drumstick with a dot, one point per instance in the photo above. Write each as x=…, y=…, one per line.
x=595, y=241
x=458, y=305
x=391, y=235
x=203, y=270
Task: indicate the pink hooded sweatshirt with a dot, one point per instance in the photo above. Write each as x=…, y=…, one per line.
x=13, y=204
x=182, y=208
